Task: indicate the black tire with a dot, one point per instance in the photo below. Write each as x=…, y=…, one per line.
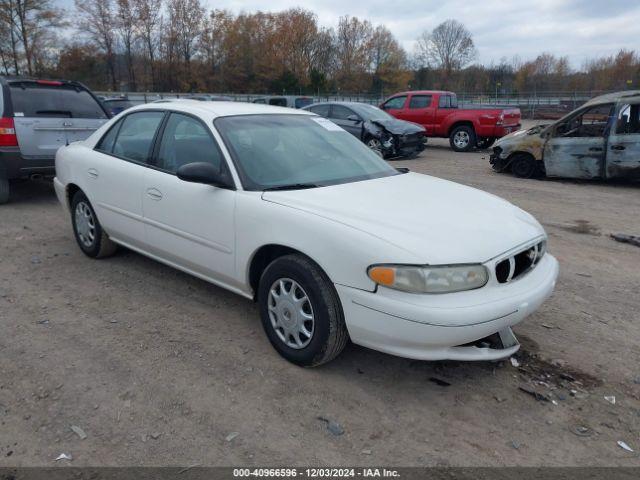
x=459, y=134
x=523, y=166
x=485, y=142
x=97, y=245
x=4, y=190
x=329, y=332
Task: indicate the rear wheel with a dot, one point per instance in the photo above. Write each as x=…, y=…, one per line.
x=4, y=190
x=301, y=312
x=91, y=238
x=523, y=166
x=462, y=139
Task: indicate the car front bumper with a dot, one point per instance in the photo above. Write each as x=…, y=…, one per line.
x=440, y=327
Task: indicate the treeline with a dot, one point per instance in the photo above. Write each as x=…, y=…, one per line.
x=179, y=46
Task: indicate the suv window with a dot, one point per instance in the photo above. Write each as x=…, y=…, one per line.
x=628, y=120
x=420, y=101
x=395, y=102
x=31, y=99
x=280, y=102
x=136, y=135
x=322, y=110
x=341, y=113
x=303, y=102
x=186, y=140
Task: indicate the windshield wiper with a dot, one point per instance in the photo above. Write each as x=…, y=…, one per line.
x=292, y=186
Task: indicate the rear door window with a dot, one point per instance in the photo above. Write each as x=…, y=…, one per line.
x=136, y=135
x=322, y=110
x=106, y=143
x=420, y=101
x=37, y=100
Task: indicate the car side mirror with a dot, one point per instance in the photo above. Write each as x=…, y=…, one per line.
x=354, y=118
x=204, y=172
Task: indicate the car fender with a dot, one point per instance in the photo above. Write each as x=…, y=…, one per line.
x=343, y=252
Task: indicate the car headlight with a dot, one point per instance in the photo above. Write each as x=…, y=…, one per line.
x=429, y=279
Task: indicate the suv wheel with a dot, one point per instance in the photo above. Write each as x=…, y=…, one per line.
x=301, y=312
x=4, y=190
x=91, y=238
x=462, y=139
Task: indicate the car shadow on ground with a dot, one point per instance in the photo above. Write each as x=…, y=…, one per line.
x=31, y=192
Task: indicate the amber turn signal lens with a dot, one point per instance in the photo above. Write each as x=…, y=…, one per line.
x=382, y=275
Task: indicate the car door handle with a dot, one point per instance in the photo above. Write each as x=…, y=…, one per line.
x=154, y=194
x=92, y=172
x=618, y=147
x=595, y=149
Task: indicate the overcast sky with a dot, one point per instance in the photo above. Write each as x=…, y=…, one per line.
x=580, y=29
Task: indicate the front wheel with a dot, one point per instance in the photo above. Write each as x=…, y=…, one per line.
x=375, y=145
x=462, y=139
x=301, y=312
x=523, y=166
x=485, y=142
x=91, y=238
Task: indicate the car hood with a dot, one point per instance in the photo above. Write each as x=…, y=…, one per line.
x=438, y=221
x=519, y=136
x=398, y=127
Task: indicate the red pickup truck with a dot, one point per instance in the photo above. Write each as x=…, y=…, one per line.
x=439, y=114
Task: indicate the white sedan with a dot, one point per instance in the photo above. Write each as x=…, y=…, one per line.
x=285, y=208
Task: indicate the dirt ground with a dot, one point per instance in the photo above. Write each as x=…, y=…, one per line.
x=158, y=368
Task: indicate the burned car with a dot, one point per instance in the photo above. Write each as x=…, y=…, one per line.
x=601, y=139
x=381, y=132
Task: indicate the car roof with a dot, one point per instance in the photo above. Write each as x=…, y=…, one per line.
x=218, y=109
x=615, y=97
x=344, y=103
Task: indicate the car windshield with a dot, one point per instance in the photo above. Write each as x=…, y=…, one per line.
x=296, y=151
x=371, y=112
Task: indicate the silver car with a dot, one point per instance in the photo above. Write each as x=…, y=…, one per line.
x=37, y=118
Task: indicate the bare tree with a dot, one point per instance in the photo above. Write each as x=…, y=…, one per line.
x=8, y=14
x=148, y=14
x=126, y=25
x=97, y=19
x=449, y=47
x=352, y=44
x=186, y=18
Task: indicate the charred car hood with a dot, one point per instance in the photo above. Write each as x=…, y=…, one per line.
x=438, y=221
x=398, y=127
x=521, y=135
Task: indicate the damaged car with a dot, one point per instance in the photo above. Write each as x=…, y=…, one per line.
x=386, y=135
x=599, y=140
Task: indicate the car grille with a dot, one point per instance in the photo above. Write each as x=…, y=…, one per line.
x=517, y=265
x=411, y=139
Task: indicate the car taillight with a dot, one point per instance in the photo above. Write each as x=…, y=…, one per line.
x=8, y=136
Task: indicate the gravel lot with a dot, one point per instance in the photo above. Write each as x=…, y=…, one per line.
x=158, y=368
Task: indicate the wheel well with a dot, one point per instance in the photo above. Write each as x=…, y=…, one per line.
x=262, y=258
x=460, y=124
x=72, y=189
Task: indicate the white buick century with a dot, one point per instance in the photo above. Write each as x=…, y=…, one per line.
x=286, y=208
